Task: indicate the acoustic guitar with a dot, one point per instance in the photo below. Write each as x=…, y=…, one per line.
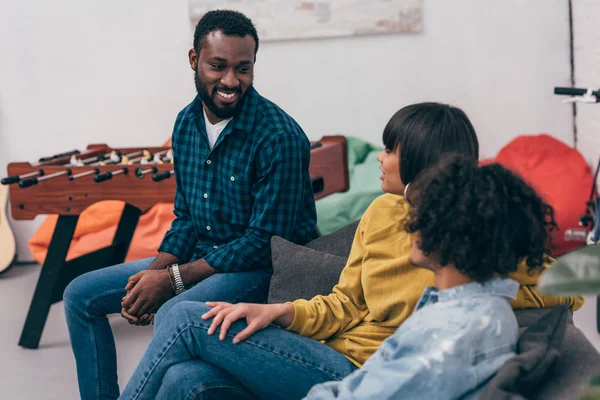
x=7, y=240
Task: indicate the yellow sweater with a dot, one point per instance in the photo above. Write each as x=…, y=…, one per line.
x=379, y=288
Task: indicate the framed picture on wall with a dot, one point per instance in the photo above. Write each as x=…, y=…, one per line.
x=295, y=19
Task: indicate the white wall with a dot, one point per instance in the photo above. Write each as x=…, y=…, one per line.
x=76, y=72
x=499, y=60
x=586, y=38
x=587, y=73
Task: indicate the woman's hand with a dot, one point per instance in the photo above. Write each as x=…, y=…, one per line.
x=258, y=316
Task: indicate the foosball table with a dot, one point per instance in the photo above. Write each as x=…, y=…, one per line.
x=68, y=183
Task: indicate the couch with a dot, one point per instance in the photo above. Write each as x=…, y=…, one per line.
x=555, y=360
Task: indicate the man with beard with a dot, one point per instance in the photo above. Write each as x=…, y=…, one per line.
x=241, y=167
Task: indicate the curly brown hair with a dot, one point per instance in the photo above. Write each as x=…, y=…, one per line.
x=484, y=220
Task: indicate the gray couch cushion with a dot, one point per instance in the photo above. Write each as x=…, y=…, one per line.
x=300, y=272
x=338, y=242
x=538, y=347
x=575, y=364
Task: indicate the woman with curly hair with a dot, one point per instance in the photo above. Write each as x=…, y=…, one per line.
x=209, y=350
x=471, y=226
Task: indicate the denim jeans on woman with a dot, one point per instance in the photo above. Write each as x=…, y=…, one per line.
x=183, y=362
x=90, y=298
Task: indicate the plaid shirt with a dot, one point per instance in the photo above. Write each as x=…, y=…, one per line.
x=252, y=185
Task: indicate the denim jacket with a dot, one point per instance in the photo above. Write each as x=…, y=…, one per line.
x=453, y=343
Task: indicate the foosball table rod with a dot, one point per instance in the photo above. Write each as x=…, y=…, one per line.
x=35, y=181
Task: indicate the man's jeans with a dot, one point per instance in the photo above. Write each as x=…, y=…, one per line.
x=91, y=297
x=183, y=362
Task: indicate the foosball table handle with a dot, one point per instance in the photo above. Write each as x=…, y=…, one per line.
x=162, y=176
x=102, y=177
x=10, y=180
x=28, y=182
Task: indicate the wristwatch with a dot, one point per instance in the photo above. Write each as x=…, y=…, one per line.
x=179, y=287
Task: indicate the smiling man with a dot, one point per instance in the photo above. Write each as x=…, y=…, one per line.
x=220, y=86
x=241, y=167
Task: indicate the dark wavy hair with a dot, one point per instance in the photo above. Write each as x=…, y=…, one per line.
x=484, y=220
x=231, y=23
x=425, y=132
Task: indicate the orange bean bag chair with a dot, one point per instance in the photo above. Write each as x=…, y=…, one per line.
x=96, y=228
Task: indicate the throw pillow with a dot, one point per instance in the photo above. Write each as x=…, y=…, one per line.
x=537, y=349
x=337, y=243
x=300, y=272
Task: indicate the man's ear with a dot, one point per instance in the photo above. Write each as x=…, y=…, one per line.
x=193, y=58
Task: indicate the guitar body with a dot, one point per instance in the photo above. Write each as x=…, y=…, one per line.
x=7, y=240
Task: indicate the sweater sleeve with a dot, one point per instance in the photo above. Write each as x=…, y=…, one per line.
x=528, y=295
x=326, y=316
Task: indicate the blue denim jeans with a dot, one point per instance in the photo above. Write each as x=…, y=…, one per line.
x=183, y=362
x=91, y=297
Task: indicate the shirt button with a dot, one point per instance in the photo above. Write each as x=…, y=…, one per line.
x=232, y=178
x=215, y=247
x=208, y=162
x=205, y=196
x=207, y=227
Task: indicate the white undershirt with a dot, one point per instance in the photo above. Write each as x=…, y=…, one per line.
x=213, y=131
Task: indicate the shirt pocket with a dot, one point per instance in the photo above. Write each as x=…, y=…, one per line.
x=237, y=191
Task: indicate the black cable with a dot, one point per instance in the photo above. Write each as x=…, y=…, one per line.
x=595, y=180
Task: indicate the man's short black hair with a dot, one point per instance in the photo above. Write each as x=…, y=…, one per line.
x=425, y=132
x=484, y=220
x=231, y=23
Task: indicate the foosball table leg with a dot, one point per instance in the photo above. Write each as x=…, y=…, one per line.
x=57, y=273
x=51, y=271
x=124, y=233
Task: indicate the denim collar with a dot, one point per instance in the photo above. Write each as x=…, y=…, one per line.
x=502, y=287
x=244, y=121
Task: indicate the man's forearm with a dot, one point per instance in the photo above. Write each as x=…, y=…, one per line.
x=163, y=260
x=196, y=271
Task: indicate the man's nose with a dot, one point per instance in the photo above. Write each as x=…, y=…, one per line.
x=229, y=80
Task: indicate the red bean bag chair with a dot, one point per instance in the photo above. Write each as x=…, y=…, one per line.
x=560, y=175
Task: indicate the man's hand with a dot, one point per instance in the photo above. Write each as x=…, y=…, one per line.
x=133, y=320
x=146, y=292
x=258, y=316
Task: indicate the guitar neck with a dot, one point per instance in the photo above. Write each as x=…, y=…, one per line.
x=7, y=238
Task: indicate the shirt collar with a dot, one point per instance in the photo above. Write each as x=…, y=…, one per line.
x=246, y=119
x=502, y=287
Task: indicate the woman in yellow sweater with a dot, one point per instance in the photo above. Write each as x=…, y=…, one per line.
x=209, y=350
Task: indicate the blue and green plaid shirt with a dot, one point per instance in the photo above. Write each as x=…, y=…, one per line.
x=252, y=185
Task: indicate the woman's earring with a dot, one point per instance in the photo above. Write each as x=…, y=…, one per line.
x=406, y=194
